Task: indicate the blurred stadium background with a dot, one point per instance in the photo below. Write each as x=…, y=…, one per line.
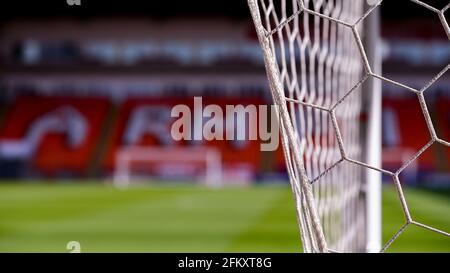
x=79, y=84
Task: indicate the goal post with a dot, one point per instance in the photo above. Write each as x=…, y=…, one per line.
x=209, y=160
x=372, y=102
x=318, y=73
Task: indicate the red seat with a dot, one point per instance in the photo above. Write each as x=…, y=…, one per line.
x=413, y=130
x=53, y=155
x=249, y=155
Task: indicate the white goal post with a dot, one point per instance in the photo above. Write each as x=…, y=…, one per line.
x=168, y=156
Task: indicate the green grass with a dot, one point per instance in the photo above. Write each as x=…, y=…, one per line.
x=44, y=217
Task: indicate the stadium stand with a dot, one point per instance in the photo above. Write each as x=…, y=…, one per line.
x=405, y=112
x=52, y=154
x=138, y=124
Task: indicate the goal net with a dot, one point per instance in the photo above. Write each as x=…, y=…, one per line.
x=322, y=59
x=316, y=73
x=136, y=165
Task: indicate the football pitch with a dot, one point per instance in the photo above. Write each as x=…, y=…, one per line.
x=44, y=217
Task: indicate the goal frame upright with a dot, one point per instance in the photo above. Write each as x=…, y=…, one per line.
x=372, y=102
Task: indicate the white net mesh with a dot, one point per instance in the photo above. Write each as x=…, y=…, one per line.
x=316, y=65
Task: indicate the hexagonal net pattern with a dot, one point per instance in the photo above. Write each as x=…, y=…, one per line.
x=317, y=66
